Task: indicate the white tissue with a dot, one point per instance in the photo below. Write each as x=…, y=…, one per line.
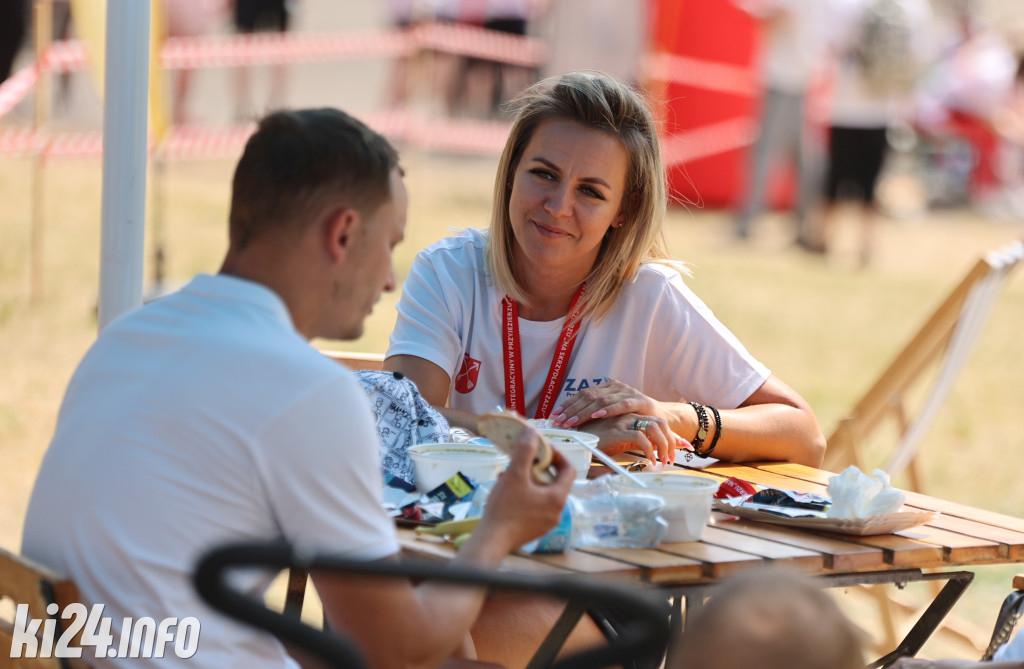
x=856, y=495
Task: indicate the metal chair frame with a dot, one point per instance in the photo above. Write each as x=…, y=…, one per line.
x=644, y=640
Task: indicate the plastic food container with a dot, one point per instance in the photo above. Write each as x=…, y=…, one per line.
x=566, y=443
x=687, y=500
x=433, y=464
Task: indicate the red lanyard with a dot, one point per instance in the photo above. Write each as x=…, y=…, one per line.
x=514, y=360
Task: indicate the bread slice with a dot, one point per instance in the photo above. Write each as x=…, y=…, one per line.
x=503, y=429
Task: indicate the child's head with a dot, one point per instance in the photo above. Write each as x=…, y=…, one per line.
x=770, y=619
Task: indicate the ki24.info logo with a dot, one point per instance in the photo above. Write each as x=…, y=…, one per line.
x=143, y=637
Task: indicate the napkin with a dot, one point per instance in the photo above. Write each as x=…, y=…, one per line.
x=855, y=495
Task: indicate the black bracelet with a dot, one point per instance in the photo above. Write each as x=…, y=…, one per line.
x=718, y=432
x=702, y=427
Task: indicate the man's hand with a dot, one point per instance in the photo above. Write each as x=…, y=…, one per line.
x=519, y=509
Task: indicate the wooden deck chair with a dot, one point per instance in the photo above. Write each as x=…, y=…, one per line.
x=298, y=579
x=25, y=583
x=946, y=338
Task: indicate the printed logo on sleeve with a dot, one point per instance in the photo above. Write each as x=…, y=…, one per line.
x=465, y=380
x=142, y=637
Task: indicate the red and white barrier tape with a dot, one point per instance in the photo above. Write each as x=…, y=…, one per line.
x=16, y=87
x=466, y=40
x=199, y=142
x=709, y=75
x=708, y=140
x=186, y=53
x=449, y=135
x=284, y=48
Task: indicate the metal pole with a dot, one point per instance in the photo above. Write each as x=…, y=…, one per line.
x=157, y=229
x=126, y=86
x=43, y=22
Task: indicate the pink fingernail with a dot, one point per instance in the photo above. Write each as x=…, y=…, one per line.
x=557, y=411
x=600, y=413
x=572, y=421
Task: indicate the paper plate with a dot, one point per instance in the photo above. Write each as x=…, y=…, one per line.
x=884, y=524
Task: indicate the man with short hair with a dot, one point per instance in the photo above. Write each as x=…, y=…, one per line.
x=206, y=417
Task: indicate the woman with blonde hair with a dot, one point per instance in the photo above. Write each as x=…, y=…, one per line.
x=569, y=306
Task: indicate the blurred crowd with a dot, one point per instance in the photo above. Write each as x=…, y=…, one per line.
x=178, y=18
x=895, y=105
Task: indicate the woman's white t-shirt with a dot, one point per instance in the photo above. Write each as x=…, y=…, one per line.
x=658, y=337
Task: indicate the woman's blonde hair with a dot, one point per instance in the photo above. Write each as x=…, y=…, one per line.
x=596, y=101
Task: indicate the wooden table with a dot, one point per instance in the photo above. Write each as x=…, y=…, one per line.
x=960, y=536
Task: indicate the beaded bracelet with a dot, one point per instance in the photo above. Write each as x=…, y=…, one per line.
x=718, y=432
x=702, y=427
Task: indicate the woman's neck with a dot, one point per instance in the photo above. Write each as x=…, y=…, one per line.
x=549, y=294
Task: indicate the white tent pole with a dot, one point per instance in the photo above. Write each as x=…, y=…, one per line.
x=126, y=85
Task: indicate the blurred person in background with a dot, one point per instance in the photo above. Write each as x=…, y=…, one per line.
x=448, y=70
x=13, y=25
x=794, y=39
x=604, y=35
x=881, y=47
x=400, y=15
x=769, y=618
x=490, y=83
x=188, y=18
x=970, y=86
x=252, y=16
x=1009, y=123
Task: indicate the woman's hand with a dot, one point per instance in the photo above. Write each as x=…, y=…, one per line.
x=656, y=439
x=606, y=400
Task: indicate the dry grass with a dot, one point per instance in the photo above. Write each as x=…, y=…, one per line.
x=826, y=328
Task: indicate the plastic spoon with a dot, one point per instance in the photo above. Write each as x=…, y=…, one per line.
x=608, y=460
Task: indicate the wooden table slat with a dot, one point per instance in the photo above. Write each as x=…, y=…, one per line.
x=659, y=566
x=718, y=561
x=589, y=563
x=901, y=552
x=958, y=548
x=435, y=550
x=1011, y=542
x=839, y=555
x=799, y=558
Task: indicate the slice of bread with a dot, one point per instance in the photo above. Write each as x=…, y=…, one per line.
x=503, y=429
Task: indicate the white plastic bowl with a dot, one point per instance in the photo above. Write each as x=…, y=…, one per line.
x=687, y=500
x=433, y=464
x=566, y=443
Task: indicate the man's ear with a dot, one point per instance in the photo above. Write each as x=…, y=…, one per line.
x=339, y=228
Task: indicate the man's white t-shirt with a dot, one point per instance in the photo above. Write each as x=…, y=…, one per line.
x=658, y=337
x=200, y=419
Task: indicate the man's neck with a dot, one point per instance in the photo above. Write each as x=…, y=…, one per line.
x=275, y=274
